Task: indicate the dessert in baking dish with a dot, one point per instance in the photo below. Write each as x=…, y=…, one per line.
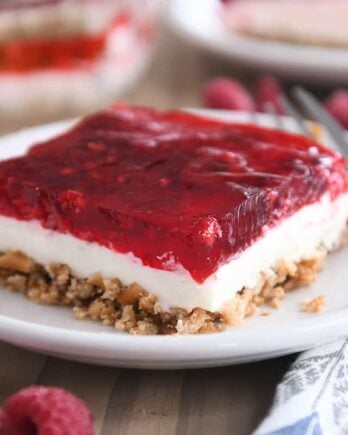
x=63, y=58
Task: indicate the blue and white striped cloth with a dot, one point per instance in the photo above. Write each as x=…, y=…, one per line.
x=312, y=399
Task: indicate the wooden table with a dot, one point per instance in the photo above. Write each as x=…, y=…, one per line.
x=220, y=401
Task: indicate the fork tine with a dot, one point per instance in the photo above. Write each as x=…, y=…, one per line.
x=291, y=110
x=317, y=111
x=253, y=117
x=277, y=120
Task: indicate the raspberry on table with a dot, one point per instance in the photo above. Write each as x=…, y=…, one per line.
x=268, y=90
x=39, y=410
x=337, y=105
x=226, y=93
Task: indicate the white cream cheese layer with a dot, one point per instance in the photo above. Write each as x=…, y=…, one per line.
x=296, y=238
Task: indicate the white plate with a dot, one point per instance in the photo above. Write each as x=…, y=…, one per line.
x=54, y=331
x=199, y=22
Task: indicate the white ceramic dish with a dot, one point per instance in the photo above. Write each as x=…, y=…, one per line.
x=201, y=25
x=54, y=331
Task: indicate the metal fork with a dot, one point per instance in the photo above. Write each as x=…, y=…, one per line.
x=317, y=112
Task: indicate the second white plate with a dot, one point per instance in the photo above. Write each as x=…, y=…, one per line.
x=200, y=23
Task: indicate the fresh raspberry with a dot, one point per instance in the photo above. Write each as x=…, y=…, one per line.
x=337, y=105
x=96, y=146
x=45, y=411
x=1, y=421
x=225, y=93
x=72, y=200
x=207, y=230
x=268, y=90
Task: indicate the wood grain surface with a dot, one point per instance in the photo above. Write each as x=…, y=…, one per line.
x=230, y=400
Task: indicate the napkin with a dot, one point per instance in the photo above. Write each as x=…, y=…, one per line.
x=312, y=398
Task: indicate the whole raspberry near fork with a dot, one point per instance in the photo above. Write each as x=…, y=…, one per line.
x=337, y=105
x=268, y=91
x=45, y=411
x=226, y=93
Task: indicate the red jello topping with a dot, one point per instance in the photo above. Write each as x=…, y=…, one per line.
x=69, y=52
x=23, y=56
x=171, y=188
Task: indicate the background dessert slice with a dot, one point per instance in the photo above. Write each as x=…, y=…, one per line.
x=66, y=58
x=204, y=216
x=313, y=22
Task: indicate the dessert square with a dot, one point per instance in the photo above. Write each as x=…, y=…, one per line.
x=168, y=222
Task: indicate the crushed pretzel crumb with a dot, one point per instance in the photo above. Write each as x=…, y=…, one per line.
x=132, y=309
x=315, y=305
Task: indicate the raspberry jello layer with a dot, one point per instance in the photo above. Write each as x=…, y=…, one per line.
x=161, y=222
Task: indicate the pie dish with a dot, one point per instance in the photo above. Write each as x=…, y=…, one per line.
x=167, y=222
x=313, y=22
